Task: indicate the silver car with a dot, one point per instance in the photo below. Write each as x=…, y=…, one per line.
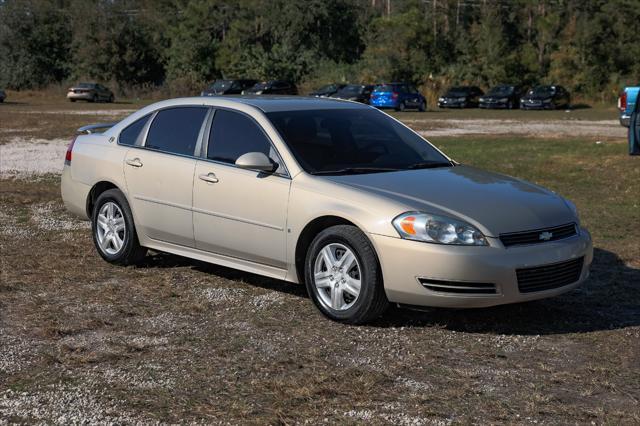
x=332, y=194
x=91, y=92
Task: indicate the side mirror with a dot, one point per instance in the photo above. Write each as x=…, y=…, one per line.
x=256, y=161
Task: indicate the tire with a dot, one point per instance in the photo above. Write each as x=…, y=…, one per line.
x=122, y=246
x=401, y=107
x=423, y=106
x=510, y=105
x=371, y=300
x=94, y=98
x=110, y=99
x=72, y=100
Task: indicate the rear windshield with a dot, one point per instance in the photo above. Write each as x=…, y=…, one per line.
x=384, y=88
x=343, y=141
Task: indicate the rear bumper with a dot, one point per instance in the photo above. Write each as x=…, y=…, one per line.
x=74, y=194
x=405, y=262
x=80, y=96
x=452, y=104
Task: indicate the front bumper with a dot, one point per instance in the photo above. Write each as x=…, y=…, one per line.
x=537, y=105
x=493, y=105
x=404, y=261
x=449, y=103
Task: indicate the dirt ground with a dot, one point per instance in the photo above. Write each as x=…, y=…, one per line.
x=180, y=341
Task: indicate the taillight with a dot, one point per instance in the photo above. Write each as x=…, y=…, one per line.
x=67, y=157
x=394, y=95
x=622, y=101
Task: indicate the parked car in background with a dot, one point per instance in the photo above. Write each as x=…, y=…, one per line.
x=336, y=196
x=398, y=96
x=460, y=97
x=327, y=90
x=3, y=95
x=626, y=103
x=355, y=92
x=502, y=96
x=228, y=87
x=91, y=92
x=273, y=87
x=546, y=97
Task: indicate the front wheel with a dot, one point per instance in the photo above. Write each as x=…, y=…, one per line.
x=114, y=233
x=343, y=276
x=423, y=106
x=401, y=107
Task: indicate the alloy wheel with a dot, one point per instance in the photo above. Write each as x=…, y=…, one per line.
x=110, y=228
x=337, y=276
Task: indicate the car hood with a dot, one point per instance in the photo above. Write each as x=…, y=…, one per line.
x=492, y=202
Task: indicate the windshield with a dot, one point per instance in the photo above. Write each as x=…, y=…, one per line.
x=351, y=89
x=86, y=85
x=543, y=91
x=327, y=88
x=261, y=86
x=457, y=91
x=344, y=141
x=501, y=91
x=221, y=85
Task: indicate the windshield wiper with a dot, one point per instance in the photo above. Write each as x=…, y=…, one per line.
x=356, y=170
x=430, y=165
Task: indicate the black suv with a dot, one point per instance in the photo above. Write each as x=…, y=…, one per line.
x=272, y=87
x=502, y=96
x=546, y=97
x=228, y=87
x=460, y=97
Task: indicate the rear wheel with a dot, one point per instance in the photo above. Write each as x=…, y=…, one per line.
x=114, y=233
x=401, y=107
x=343, y=276
x=510, y=105
x=110, y=99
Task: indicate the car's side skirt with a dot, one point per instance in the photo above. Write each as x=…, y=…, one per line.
x=217, y=259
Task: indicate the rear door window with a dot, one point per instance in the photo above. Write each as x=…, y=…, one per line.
x=132, y=134
x=176, y=130
x=234, y=134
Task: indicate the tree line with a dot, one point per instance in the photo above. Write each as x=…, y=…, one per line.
x=590, y=46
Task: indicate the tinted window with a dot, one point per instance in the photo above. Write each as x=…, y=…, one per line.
x=335, y=141
x=234, y=134
x=176, y=130
x=130, y=135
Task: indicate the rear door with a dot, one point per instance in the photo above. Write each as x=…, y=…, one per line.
x=237, y=212
x=159, y=174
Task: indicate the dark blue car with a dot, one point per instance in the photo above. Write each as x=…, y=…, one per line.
x=398, y=96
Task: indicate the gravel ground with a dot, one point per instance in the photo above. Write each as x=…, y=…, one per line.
x=25, y=157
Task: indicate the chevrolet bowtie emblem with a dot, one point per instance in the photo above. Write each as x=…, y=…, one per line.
x=546, y=236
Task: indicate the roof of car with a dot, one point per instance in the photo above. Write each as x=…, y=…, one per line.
x=273, y=103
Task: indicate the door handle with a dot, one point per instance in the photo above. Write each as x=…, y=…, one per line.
x=135, y=162
x=209, y=177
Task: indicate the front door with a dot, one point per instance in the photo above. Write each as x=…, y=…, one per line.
x=237, y=212
x=159, y=175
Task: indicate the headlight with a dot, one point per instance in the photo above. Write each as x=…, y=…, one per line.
x=481, y=99
x=462, y=99
x=437, y=229
x=504, y=100
x=440, y=99
x=573, y=208
x=259, y=92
